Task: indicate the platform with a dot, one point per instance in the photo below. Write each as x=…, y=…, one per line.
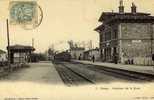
x=135, y=68
x=41, y=72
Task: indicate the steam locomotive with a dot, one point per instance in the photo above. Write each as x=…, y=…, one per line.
x=63, y=56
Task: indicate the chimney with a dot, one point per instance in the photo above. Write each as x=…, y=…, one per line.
x=121, y=7
x=133, y=8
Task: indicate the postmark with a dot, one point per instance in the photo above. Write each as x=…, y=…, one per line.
x=26, y=14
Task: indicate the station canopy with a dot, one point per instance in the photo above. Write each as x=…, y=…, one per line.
x=21, y=48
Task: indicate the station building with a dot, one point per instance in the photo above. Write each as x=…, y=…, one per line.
x=77, y=52
x=3, y=57
x=87, y=55
x=20, y=53
x=129, y=35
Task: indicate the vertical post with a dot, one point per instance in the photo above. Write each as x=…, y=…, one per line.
x=32, y=42
x=120, y=46
x=8, y=47
x=90, y=47
x=151, y=43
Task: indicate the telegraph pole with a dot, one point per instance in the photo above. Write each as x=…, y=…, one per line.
x=33, y=42
x=8, y=45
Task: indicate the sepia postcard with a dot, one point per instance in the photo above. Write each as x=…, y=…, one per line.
x=76, y=50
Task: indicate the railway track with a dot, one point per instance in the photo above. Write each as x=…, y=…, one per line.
x=71, y=77
x=124, y=74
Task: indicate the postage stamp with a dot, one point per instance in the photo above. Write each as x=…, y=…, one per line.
x=24, y=13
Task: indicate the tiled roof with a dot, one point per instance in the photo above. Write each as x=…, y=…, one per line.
x=110, y=16
x=96, y=49
x=100, y=28
x=21, y=47
x=1, y=51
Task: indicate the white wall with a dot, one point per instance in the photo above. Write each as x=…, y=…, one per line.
x=3, y=57
x=95, y=53
x=77, y=53
x=19, y=57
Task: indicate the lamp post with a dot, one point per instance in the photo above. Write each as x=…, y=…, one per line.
x=8, y=47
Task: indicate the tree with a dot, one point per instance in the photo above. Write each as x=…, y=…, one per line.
x=71, y=44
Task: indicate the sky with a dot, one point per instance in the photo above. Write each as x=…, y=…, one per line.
x=64, y=20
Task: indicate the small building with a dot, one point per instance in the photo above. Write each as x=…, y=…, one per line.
x=3, y=57
x=126, y=36
x=87, y=55
x=77, y=52
x=20, y=53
